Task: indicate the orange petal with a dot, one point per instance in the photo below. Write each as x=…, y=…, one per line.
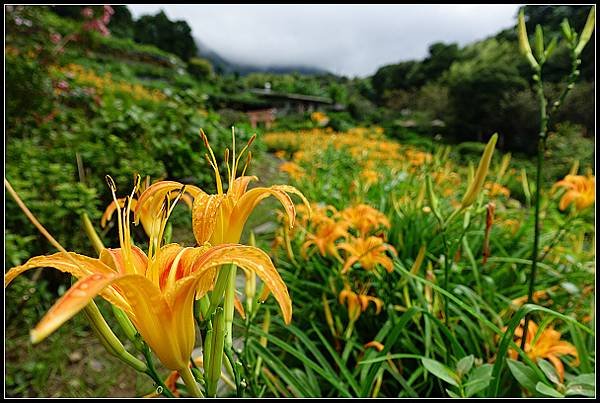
x=204, y=216
x=112, y=207
x=247, y=257
x=114, y=259
x=560, y=368
x=77, y=297
x=77, y=265
x=264, y=294
x=349, y=263
x=239, y=307
x=240, y=185
x=152, y=198
x=374, y=344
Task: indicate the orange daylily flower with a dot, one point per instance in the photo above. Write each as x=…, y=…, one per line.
x=317, y=214
x=292, y=169
x=580, y=191
x=146, y=218
x=497, y=189
x=368, y=252
x=365, y=218
x=328, y=232
x=370, y=176
x=358, y=302
x=155, y=290
x=548, y=345
x=220, y=218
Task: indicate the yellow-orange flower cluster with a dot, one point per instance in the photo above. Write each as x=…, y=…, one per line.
x=580, y=191
x=496, y=189
x=105, y=83
x=320, y=118
x=356, y=228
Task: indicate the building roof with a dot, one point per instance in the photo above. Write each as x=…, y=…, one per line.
x=294, y=97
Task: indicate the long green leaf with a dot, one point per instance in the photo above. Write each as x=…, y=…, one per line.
x=388, y=344
x=281, y=370
x=327, y=374
x=338, y=361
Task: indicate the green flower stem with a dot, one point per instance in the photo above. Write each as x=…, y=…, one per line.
x=446, y=275
x=229, y=354
x=561, y=231
x=91, y=233
x=216, y=352
x=151, y=371
x=540, y=161
x=349, y=329
x=190, y=382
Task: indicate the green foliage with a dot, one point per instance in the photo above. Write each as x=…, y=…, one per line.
x=200, y=68
x=566, y=142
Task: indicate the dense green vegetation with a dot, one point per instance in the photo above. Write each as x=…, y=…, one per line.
x=82, y=103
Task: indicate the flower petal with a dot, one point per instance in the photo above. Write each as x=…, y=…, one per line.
x=152, y=198
x=240, y=185
x=77, y=297
x=112, y=207
x=204, y=216
x=77, y=265
x=115, y=260
x=247, y=257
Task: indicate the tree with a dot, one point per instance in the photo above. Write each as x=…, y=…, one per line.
x=171, y=36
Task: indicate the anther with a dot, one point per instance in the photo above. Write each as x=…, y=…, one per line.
x=111, y=183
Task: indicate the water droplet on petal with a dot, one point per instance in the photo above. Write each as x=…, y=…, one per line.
x=97, y=277
x=79, y=294
x=84, y=286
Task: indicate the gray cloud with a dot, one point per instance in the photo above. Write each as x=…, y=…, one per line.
x=352, y=40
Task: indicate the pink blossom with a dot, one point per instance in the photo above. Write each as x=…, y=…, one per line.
x=87, y=12
x=55, y=38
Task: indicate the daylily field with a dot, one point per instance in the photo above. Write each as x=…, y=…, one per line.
x=196, y=256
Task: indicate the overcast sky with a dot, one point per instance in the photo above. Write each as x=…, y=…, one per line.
x=351, y=40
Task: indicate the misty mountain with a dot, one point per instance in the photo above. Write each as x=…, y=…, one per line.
x=222, y=65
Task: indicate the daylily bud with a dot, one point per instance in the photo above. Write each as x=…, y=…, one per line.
x=588, y=29
x=539, y=43
x=108, y=338
x=128, y=328
x=328, y=316
x=503, y=167
x=550, y=49
x=566, y=29
x=433, y=202
x=418, y=261
x=480, y=174
x=265, y=327
x=525, y=184
x=524, y=42
x=574, y=168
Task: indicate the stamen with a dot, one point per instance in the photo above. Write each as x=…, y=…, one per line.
x=247, y=162
x=214, y=163
x=233, y=159
x=228, y=168
x=113, y=190
x=111, y=183
x=242, y=153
